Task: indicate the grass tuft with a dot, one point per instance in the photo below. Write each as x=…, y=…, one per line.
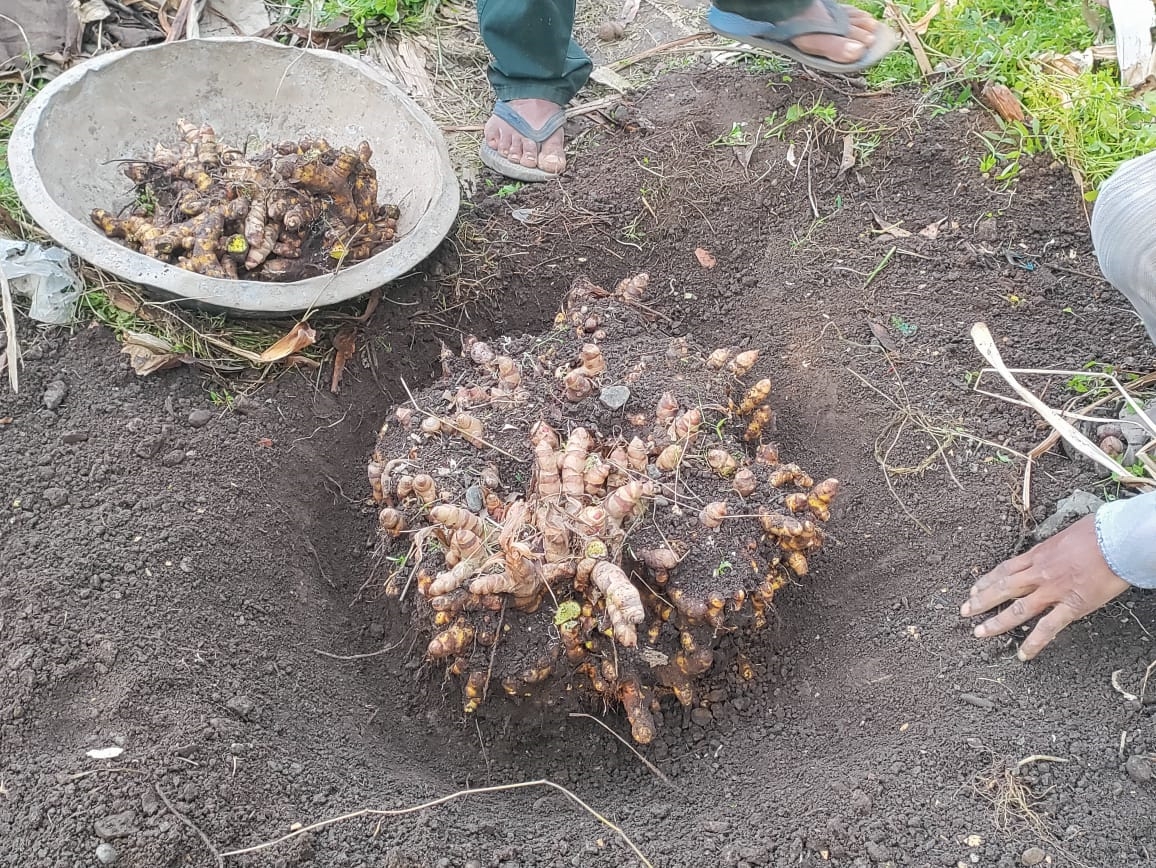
x=1088, y=120
x=364, y=15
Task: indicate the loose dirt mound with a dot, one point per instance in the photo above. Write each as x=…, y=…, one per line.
x=171, y=566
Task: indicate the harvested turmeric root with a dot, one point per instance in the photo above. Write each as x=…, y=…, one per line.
x=566, y=560
x=291, y=211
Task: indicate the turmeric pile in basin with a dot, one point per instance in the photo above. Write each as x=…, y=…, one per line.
x=287, y=212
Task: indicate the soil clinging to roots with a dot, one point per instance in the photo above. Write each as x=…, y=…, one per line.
x=591, y=510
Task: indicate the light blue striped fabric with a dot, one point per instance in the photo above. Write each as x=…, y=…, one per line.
x=1124, y=234
x=1127, y=533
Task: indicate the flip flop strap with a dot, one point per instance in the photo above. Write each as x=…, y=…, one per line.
x=506, y=112
x=839, y=25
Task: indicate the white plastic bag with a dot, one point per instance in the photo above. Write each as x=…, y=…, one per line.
x=44, y=275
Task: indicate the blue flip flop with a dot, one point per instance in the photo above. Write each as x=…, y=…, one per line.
x=777, y=37
x=503, y=165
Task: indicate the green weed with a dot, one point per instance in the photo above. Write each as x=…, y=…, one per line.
x=1082, y=384
x=506, y=190
x=365, y=14
x=767, y=65
x=777, y=125
x=723, y=569
x=633, y=234
x=897, y=69
x=221, y=399
x=1088, y=120
x=1006, y=146
x=736, y=138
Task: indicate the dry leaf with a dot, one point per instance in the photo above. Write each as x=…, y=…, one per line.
x=122, y=301
x=931, y=230
x=299, y=337
x=148, y=354
x=705, y=257
x=848, y=161
x=345, y=342
x=882, y=335
x=890, y=230
x=93, y=11
x=607, y=77
x=923, y=23
x=1002, y=101
x=629, y=11
x=298, y=359
x=745, y=154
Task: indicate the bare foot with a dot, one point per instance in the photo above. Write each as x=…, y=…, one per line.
x=841, y=49
x=1065, y=574
x=550, y=157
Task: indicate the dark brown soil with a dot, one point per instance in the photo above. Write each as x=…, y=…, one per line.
x=171, y=568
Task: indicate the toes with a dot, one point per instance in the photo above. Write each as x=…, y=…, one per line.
x=514, y=152
x=506, y=142
x=861, y=35
x=498, y=136
x=550, y=156
x=861, y=19
x=553, y=163
x=553, y=155
x=849, y=51
x=836, y=48
x=493, y=133
x=529, y=154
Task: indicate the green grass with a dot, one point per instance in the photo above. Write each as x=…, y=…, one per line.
x=8, y=198
x=366, y=14
x=1090, y=121
x=9, y=201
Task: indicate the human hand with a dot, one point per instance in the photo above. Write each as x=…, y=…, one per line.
x=1065, y=574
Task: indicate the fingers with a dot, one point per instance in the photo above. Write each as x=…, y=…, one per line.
x=1019, y=612
x=1007, y=581
x=1046, y=630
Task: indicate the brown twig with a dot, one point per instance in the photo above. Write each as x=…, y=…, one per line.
x=376, y=653
x=660, y=49
x=24, y=82
x=399, y=812
x=909, y=34
x=218, y=857
x=1147, y=674
x=175, y=29
x=494, y=651
x=657, y=771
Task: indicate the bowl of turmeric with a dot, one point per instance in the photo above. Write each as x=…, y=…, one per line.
x=236, y=175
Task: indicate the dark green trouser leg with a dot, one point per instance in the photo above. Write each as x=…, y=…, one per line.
x=533, y=49
x=763, y=10
x=534, y=52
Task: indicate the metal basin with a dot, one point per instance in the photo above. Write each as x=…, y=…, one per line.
x=66, y=146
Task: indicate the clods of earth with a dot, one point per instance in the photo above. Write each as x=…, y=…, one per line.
x=196, y=581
